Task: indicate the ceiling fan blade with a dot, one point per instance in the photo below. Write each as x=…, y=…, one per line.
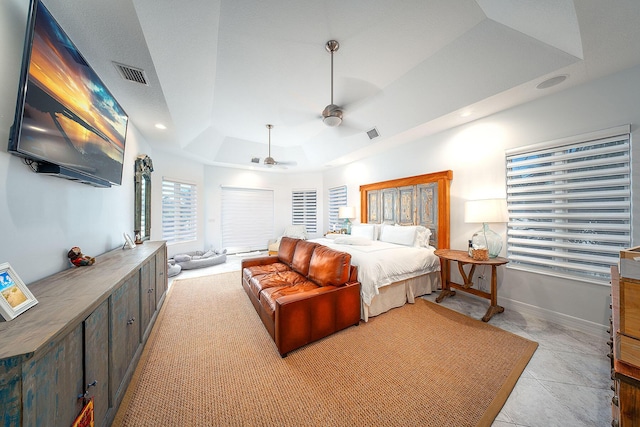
x=286, y=163
x=355, y=92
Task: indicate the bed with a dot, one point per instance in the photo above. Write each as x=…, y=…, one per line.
x=402, y=222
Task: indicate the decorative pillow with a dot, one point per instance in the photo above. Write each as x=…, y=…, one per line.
x=353, y=240
x=363, y=230
x=400, y=235
x=423, y=236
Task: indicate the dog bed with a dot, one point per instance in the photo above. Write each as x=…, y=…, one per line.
x=173, y=269
x=199, y=259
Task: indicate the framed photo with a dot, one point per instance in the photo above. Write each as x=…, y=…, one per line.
x=128, y=242
x=15, y=297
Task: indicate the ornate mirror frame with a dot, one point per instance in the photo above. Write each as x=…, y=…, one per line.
x=142, y=214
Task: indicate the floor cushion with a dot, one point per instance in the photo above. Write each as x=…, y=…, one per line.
x=199, y=259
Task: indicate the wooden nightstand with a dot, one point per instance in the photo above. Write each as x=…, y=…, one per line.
x=463, y=258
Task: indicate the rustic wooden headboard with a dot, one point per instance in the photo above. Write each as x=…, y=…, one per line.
x=415, y=200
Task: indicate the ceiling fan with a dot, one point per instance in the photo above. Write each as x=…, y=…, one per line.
x=332, y=114
x=270, y=161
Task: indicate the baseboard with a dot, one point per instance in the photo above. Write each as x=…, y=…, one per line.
x=586, y=326
x=591, y=328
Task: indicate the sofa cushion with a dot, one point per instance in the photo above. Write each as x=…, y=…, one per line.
x=269, y=296
x=257, y=270
x=279, y=278
x=302, y=257
x=286, y=249
x=329, y=267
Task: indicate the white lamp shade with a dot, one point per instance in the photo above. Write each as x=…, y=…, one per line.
x=486, y=210
x=346, y=212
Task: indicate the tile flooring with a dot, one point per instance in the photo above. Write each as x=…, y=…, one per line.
x=567, y=383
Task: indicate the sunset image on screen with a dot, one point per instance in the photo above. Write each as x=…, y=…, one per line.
x=69, y=116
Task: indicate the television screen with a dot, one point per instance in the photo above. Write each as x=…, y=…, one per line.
x=65, y=115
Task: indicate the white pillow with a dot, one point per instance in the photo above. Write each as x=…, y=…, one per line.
x=400, y=235
x=363, y=230
x=352, y=240
x=423, y=236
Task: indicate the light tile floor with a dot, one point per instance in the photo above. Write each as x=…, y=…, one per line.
x=567, y=383
x=568, y=380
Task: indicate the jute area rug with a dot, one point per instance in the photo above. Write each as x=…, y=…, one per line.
x=210, y=362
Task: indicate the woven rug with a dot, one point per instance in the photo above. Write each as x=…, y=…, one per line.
x=210, y=362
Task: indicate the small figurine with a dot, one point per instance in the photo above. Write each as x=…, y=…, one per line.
x=78, y=259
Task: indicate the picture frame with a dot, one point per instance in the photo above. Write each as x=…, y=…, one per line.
x=15, y=297
x=128, y=242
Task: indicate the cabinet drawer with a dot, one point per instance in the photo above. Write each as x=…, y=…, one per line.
x=630, y=307
x=629, y=350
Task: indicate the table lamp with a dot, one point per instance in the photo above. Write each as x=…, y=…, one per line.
x=486, y=211
x=347, y=213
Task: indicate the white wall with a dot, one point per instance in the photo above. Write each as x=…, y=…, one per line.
x=42, y=217
x=281, y=184
x=475, y=154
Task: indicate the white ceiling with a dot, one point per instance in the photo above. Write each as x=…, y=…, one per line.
x=220, y=70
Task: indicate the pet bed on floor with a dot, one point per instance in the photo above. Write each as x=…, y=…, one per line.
x=199, y=259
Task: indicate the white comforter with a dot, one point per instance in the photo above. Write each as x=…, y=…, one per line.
x=380, y=263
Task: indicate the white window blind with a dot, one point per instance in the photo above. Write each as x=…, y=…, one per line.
x=337, y=198
x=247, y=219
x=179, y=211
x=304, y=209
x=569, y=204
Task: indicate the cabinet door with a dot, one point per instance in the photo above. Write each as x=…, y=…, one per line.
x=125, y=331
x=53, y=383
x=96, y=360
x=161, y=274
x=11, y=391
x=147, y=296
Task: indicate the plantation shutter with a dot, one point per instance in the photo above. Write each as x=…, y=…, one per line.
x=247, y=219
x=304, y=209
x=569, y=204
x=337, y=198
x=179, y=211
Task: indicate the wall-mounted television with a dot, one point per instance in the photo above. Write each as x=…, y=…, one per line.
x=67, y=123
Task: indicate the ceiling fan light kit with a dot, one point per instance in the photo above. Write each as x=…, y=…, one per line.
x=332, y=115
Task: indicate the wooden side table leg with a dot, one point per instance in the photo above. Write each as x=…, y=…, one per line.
x=445, y=275
x=494, y=307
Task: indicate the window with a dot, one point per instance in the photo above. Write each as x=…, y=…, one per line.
x=569, y=205
x=247, y=219
x=337, y=198
x=304, y=209
x=179, y=211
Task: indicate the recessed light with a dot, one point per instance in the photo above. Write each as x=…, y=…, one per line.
x=160, y=126
x=552, y=81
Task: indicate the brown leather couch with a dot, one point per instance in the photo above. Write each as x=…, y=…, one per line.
x=307, y=292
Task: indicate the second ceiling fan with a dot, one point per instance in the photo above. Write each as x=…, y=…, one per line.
x=270, y=161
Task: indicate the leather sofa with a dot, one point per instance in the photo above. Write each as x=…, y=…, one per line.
x=305, y=293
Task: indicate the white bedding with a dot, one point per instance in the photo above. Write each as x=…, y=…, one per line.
x=380, y=263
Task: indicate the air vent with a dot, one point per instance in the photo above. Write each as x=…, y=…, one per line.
x=373, y=133
x=255, y=160
x=132, y=74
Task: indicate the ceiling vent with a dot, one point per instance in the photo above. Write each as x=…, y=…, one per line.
x=132, y=74
x=373, y=133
